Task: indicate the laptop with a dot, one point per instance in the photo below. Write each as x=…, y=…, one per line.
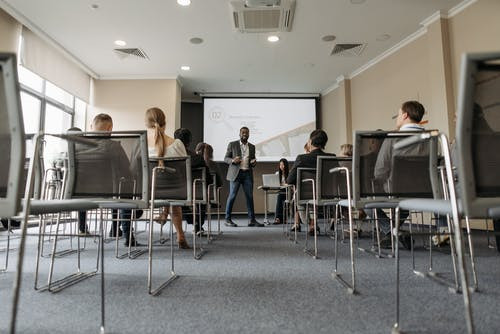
x=270, y=180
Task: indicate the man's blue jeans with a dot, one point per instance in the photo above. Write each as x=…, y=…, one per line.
x=245, y=179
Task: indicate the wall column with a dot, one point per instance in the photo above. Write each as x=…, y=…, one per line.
x=336, y=117
x=442, y=107
x=10, y=31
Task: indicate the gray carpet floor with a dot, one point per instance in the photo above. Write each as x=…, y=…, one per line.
x=253, y=280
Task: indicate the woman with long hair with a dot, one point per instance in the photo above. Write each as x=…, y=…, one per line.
x=280, y=199
x=207, y=153
x=161, y=145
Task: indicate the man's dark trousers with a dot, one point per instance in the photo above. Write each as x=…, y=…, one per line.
x=245, y=179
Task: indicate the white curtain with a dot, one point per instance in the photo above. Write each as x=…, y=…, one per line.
x=46, y=61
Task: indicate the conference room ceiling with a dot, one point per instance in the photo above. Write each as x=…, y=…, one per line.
x=226, y=60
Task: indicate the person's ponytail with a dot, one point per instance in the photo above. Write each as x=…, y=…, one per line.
x=155, y=118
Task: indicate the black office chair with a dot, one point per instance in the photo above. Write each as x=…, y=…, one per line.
x=305, y=193
x=477, y=137
x=12, y=141
x=171, y=185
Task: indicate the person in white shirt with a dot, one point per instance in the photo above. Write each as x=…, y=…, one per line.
x=408, y=118
x=161, y=145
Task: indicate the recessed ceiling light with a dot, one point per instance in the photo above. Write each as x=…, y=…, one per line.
x=384, y=37
x=120, y=42
x=196, y=40
x=273, y=38
x=357, y=2
x=185, y=68
x=328, y=38
x=184, y=2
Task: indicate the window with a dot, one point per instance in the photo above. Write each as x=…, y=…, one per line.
x=39, y=97
x=31, y=112
x=48, y=108
x=58, y=94
x=80, y=114
x=30, y=79
x=56, y=121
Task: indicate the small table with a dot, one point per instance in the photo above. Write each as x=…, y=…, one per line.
x=273, y=190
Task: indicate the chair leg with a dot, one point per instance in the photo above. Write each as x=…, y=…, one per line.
x=377, y=235
x=197, y=254
x=396, y=326
x=490, y=245
x=453, y=255
x=312, y=253
x=101, y=253
x=335, y=231
x=351, y=287
x=471, y=253
x=173, y=275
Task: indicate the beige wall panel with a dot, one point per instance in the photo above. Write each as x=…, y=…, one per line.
x=476, y=29
x=127, y=100
x=441, y=107
x=377, y=93
x=333, y=119
x=10, y=30
x=178, y=93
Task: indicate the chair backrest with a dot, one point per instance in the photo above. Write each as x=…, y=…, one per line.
x=175, y=184
x=415, y=166
x=39, y=170
x=200, y=176
x=12, y=143
x=305, y=189
x=115, y=165
x=478, y=133
x=330, y=186
x=381, y=171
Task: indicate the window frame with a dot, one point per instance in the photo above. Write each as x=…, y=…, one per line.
x=45, y=100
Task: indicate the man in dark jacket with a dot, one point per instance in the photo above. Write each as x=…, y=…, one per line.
x=240, y=156
x=317, y=142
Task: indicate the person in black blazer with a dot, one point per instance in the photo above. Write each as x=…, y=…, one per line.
x=317, y=142
x=240, y=156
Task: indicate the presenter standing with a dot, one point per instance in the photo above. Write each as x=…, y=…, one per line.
x=240, y=156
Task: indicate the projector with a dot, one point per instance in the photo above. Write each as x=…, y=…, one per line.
x=262, y=3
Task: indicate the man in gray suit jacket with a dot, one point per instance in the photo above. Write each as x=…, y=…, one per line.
x=240, y=157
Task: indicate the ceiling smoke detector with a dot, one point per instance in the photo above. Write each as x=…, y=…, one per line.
x=257, y=16
x=328, y=38
x=348, y=49
x=196, y=40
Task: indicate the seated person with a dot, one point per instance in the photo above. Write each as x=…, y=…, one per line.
x=346, y=150
x=408, y=118
x=161, y=145
x=113, y=151
x=317, y=141
x=13, y=223
x=496, y=228
x=82, y=215
x=280, y=198
x=205, y=151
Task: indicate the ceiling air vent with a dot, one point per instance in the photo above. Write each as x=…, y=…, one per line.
x=127, y=52
x=255, y=16
x=262, y=3
x=348, y=50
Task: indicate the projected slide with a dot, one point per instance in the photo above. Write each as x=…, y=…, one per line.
x=279, y=128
